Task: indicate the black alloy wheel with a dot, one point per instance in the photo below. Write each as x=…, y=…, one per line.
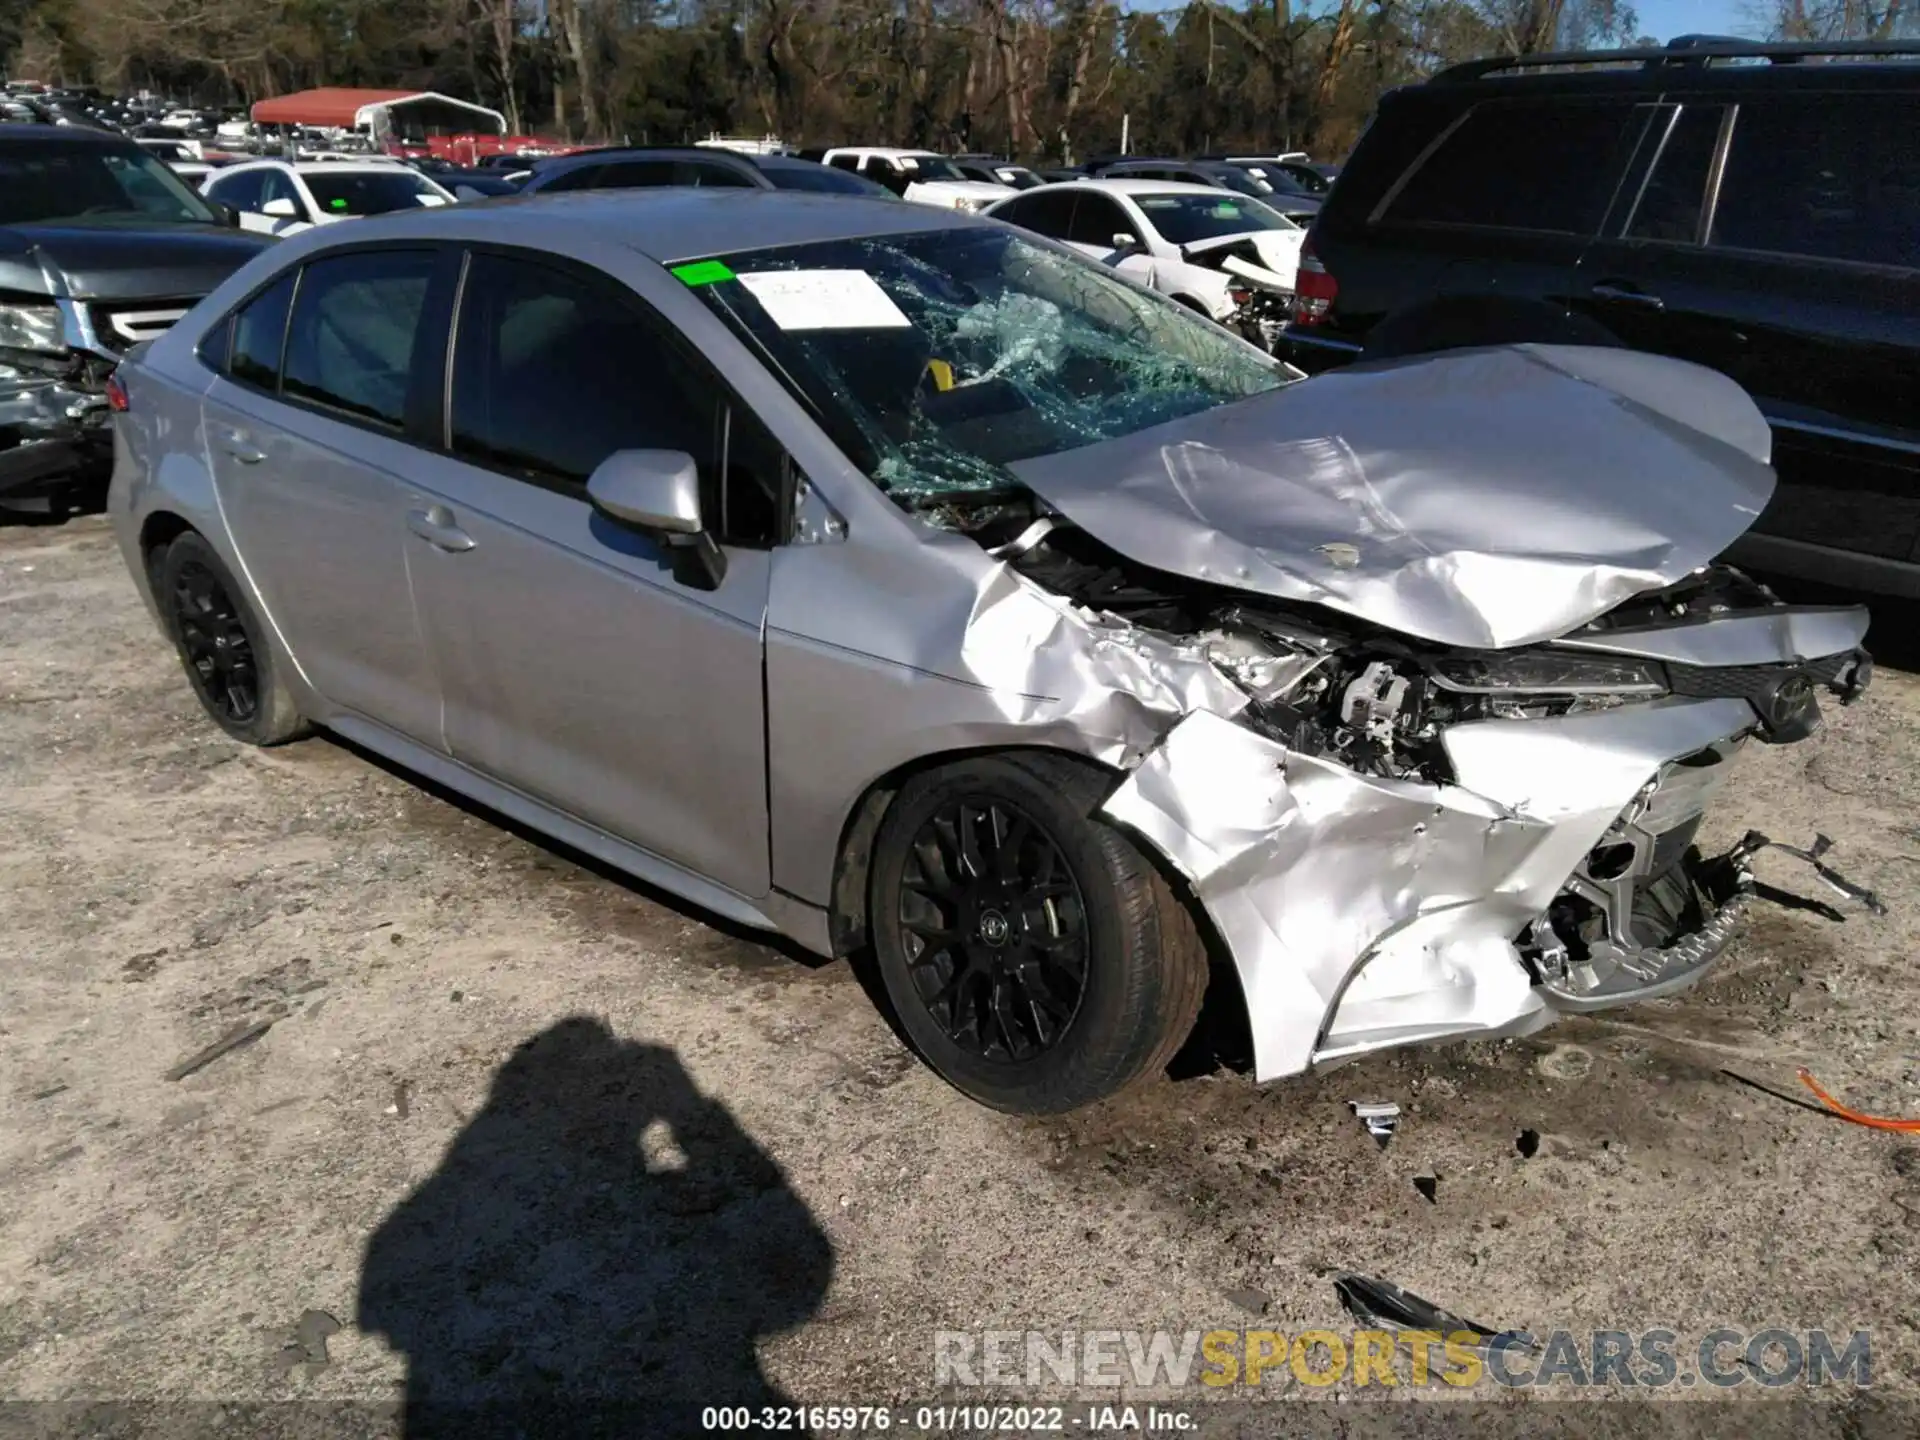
x=223, y=648
x=1030, y=951
x=994, y=928
x=213, y=639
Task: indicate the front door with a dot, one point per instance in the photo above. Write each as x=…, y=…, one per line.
x=309, y=458
x=575, y=668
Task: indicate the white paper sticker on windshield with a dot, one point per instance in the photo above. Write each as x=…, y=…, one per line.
x=824, y=300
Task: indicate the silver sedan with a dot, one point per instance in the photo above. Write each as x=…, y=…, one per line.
x=895, y=579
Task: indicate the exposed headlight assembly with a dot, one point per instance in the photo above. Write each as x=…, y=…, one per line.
x=32, y=327
x=1547, y=672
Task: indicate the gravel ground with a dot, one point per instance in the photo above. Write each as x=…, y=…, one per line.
x=521, y=1129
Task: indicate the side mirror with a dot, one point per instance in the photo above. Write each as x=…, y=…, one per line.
x=282, y=209
x=1124, y=242
x=658, y=493
x=224, y=212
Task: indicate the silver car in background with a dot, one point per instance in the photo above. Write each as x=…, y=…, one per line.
x=888, y=577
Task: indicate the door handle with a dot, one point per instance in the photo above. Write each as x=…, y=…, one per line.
x=1624, y=293
x=239, y=445
x=435, y=526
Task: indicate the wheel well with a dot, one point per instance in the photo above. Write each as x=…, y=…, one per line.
x=1222, y=1032
x=847, y=907
x=160, y=530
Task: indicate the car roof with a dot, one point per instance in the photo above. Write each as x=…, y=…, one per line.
x=885, y=152
x=84, y=134
x=1121, y=185
x=670, y=224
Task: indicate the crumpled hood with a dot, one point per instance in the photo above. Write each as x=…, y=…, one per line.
x=1279, y=250
x=1483, y=498
x=122, y=262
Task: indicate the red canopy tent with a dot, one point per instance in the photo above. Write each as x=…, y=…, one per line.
x=384, y=114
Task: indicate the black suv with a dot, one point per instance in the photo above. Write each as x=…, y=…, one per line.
x=1754, y=208
x=101, y=247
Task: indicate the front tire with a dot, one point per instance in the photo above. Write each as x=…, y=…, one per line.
x=222, y=645
x=1034, y=956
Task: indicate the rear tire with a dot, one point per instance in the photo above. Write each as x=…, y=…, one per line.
x=222, y=645
x=1036, y=959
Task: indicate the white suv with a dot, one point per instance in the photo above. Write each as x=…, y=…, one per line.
x=920, y=176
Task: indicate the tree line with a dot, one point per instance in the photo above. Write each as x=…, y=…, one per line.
x=1047, y=80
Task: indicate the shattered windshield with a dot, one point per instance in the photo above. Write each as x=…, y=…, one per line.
x=1181, y=218
x=937, y=359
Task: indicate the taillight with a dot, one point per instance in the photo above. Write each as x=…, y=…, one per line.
x=1314, y=289
x=116, y=395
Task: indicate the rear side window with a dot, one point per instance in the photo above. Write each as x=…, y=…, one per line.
x=633, y=175
x=1827, y=176
x=582, y=179
x=258, y=330
x=1520, y=166
x=350, y=342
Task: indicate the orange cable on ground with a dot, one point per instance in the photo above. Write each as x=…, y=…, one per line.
x=1876, y=1122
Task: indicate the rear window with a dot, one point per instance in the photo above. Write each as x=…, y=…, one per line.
x=1826, y=176
x=1520, y=166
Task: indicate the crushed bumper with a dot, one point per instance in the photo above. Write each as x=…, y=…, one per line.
x=54, y=434
x=1558, y=875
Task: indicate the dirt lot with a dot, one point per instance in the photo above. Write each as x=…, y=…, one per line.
x=522, y=1129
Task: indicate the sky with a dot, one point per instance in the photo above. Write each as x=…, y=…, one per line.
x=1664, y=19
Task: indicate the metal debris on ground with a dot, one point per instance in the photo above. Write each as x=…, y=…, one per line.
x=306, y=1342
x=1380, y=1302
x=241, y=1035
x=1254, y=1302
x=1379, y=1116
x=1873, y=1122
x=1755, y=841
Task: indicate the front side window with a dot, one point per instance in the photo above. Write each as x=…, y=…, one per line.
x=241, y=191
x=1826, y=176
x=371, y=192
x=57, y=183
x=552, y=373
x=1183, y=218
x=355, y=321
x=1050, y=214
x=1097, y=219
x=278, y=185
x=938, y=359
x=1521, y=166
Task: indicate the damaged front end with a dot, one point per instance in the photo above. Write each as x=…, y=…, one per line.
x=56, y=439
x=1402, y=840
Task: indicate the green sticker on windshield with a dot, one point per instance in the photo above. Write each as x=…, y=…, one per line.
x=702, y=272
x=338, y=203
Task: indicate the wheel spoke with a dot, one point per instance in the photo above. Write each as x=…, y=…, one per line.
x=992, y=921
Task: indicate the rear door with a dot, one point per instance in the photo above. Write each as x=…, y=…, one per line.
x=1779, y=243
x=307, y=436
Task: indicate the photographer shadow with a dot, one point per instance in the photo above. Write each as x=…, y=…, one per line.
x=598, y=1253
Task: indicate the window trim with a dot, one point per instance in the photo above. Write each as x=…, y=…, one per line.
x=704, y=372
x=431, y=324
